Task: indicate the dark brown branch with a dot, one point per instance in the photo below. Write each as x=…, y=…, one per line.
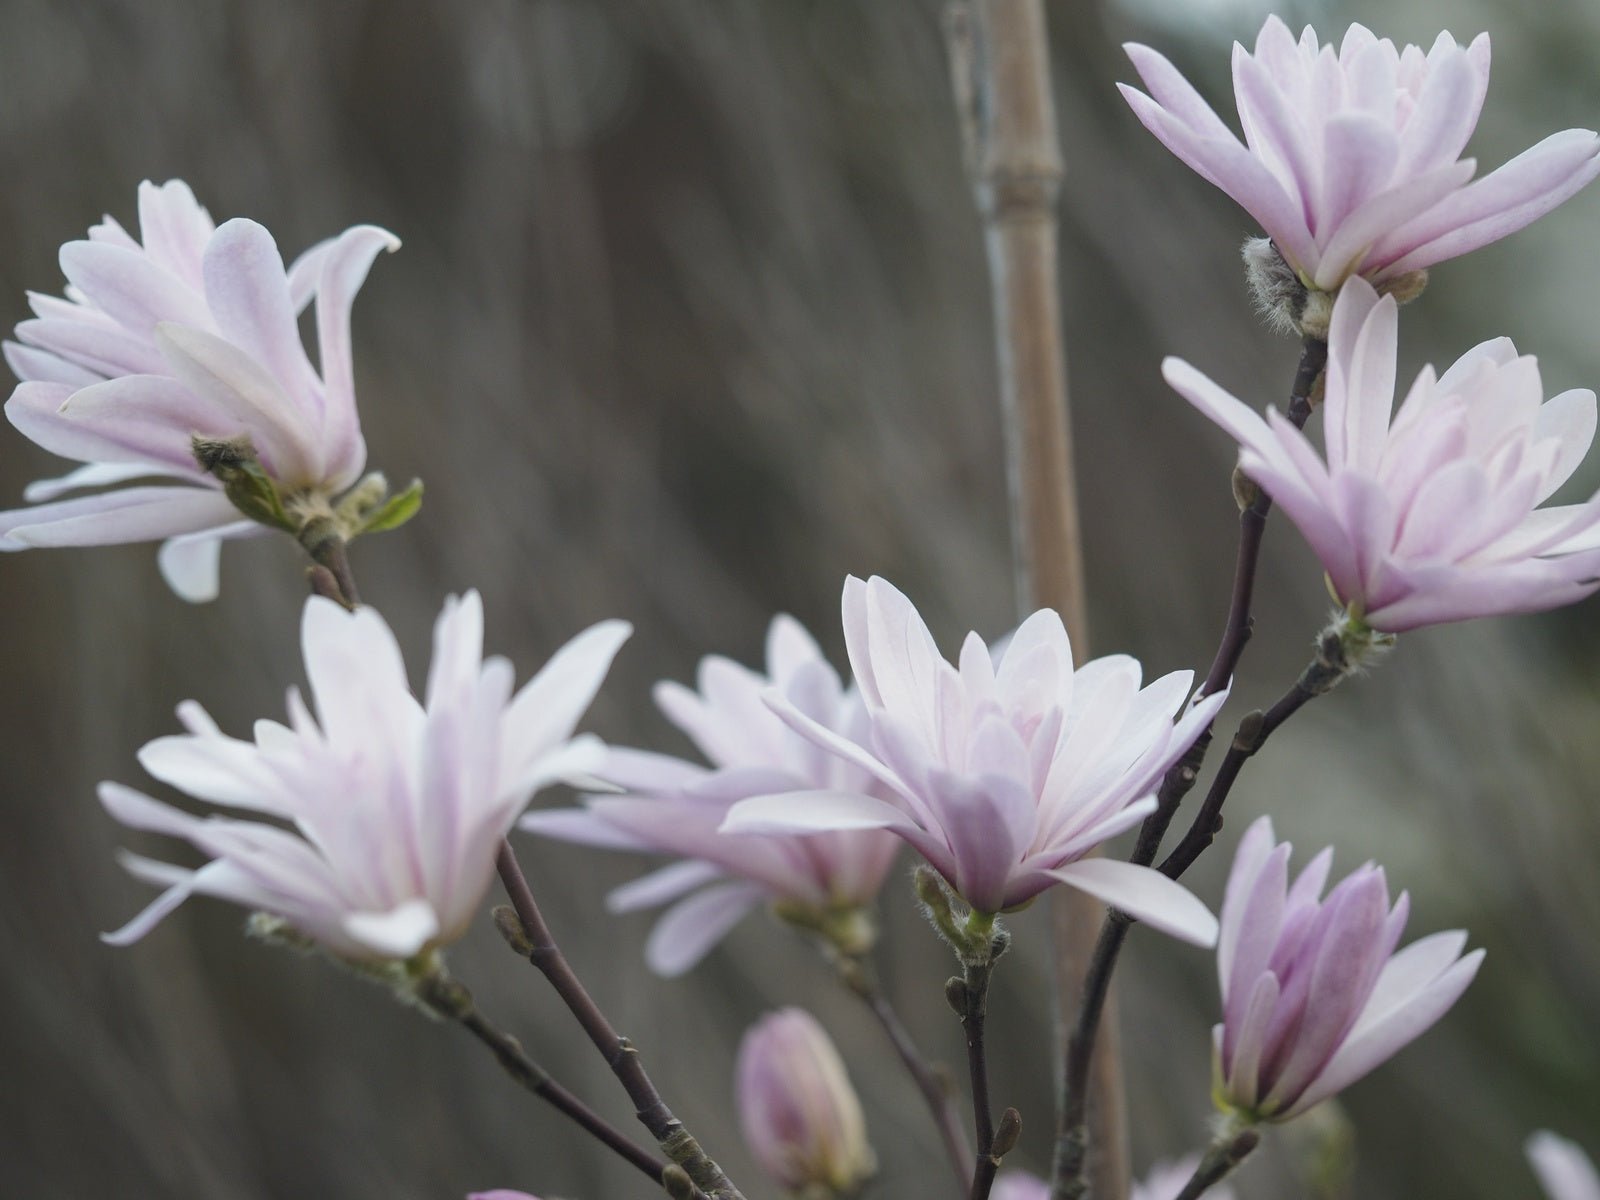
x=675, y=1140
x=449, y=999
x=969, y=996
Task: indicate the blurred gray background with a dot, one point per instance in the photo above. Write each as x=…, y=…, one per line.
x=692, y=320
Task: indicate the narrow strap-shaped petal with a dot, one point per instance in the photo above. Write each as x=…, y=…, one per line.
x=131, y=288
x=688, y=930
x=135, y=514
x=1146, y=894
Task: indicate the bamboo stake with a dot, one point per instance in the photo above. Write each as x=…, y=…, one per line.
x=1001, y=76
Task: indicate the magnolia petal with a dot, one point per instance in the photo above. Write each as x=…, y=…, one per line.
x=660, y=887
x=1383, y=1039
x=1564, y=1170
x=248, y=295
x=398, y=933
x=813, y=812
x=686, y=933
x=191, y=563
x=1146, y=894
x=135, y=514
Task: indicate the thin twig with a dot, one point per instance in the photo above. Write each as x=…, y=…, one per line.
x=675, y=1140
x=857, y=976
x=450, y=999
x=1073, y=1135
x=1224, y=1155
x=973, y=997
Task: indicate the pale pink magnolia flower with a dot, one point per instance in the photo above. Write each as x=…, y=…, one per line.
x=1164, y=1182
x=1313, y=994
x=502, y=1194
x=801, y=1117
x=675, y=807
x=1430, y=515
x=1564, y=1170
x=382, y=814
x=1351, y=159
x=1002, y=775
x=192, y=331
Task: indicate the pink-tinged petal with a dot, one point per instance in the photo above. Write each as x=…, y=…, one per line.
x=305, y=272
x=1240, y=422
x=663, y=886
x=229, y=381
x=135, y=514
x=1502, y=202
x=813, y=812
x=582, y=826
x=148, y=418
x=344, y=270
x=842, y=747
x=357, y=674
x=688, y=930
x=1370, y=521
x=29, y=363
x=398, y=933
x=1359, y=156
x=1445, y=114
x=904, y=659
x=1567, y=419
x=1276, y=133
x=1359, y=424
x=1438, y=595
x=1255, y=847
x=1442, y=516
x=1384, y=1039
x=104, y=350
x=1564, y=1170
x=174, y=228
x=548, y=707
x=1242, y=1064
x=501, y=1194
x=131, y=288
x=1255, y=924
x=790, y=647
x=1146, y=894
x=92, y=475
x=179, y=884
x=1174, y=93
x=1352, y=248
x=647, y=771
x=987, y=824
x=248, y=294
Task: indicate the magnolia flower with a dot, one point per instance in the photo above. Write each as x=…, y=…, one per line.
x=383, y=814
x=502, y=1194
x=674, y=807
x=191, y=333
x=1431, y=515
x=1313, y=994
x=1351, y=160
x=1165, y=1182
x=800, y=1116
x=1563, y=1168
x=1002, y=775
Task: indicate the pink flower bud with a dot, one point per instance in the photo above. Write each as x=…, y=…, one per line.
x=801, y=1118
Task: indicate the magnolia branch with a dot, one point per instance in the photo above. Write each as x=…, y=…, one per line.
x=675, y=1140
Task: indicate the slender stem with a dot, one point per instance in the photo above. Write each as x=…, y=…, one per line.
x=620, y=1055
x=1072, y=1142
x=1226, y=1153
x=974, y=1009
x=1319, y=677
x=448, y=998
x=857, y=976
x=331, y=576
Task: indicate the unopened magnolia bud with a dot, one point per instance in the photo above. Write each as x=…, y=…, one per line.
x=1245, y=490
x=955, y=995
x=801, y=1118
